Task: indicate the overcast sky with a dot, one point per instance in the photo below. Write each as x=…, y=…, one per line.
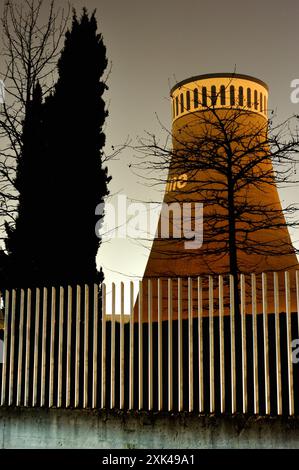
x=153, y=44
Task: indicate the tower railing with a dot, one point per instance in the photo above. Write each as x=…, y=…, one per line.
x=193, y=349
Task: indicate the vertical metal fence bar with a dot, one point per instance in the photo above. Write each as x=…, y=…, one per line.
x=180, y=348
x=69, y=346
x=77, y=347
x=200, y=346
x=190, y=341
x=122, y=349
x=44, y=348
x=86, y=345
x=150, y=345
x=20, y=349
x=277, y=344
x=36, y=344
x=131, y=349
x=233, y=344
x=160, y=351
x=27, y=353
x=60, y=346
x=297, y=296
x=170, y=346
x=221, y=346
x=244, y=344
x=256, y=403
x=103, y=352
x=112, y=374
x=12, y=348
x=52, y=346
x=140, y=346
x=289, y=345
x=4, y=367
x=211, y=344
x=266, y=343
x=95, y=346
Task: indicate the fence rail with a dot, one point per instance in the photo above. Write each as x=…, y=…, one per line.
x=62, y=349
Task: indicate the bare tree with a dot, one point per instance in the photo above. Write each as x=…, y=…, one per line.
x=32, y=32
x=233, y=164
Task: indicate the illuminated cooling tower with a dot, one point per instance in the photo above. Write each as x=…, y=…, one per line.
x=200, y=106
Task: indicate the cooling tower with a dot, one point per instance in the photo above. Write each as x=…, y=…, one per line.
x=208, y=110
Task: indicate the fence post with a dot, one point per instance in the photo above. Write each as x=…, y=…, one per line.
x=170, y=347
x=112, y=371
x=277, y=344
x=20, y=350
x=131, y=349
x=5, y=346
x=233, y=344
x=36, y=346
x=255, y=346
x=289, y=345
x=44, y=348
x=69, y=345
x=86, y=345
x=160, y=350
x=27, y=354
x=12, y=348
x=95, y=346
x=121, y=350
x=221, y=346
x=200, y=346
x=52, y=346
x=77, y=351
x=211, y=344
x=244, y=344
x=190, y=341
x=103, y=354
x=60, y=346
x=150, y=345
x=266, y=342
x=180, y=348
x=140, y=347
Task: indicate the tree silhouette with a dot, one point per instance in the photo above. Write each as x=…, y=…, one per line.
x=24, y=243
x=31, y=38
x=56, y=223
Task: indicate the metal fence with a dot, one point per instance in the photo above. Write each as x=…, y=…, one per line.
x=62, y=349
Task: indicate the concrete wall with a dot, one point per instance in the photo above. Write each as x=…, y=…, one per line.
x=41, y=428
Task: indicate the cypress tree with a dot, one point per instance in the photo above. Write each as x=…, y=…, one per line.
x=24, y=243
x=61, y=178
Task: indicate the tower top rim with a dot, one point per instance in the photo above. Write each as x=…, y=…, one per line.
x=196, y=78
